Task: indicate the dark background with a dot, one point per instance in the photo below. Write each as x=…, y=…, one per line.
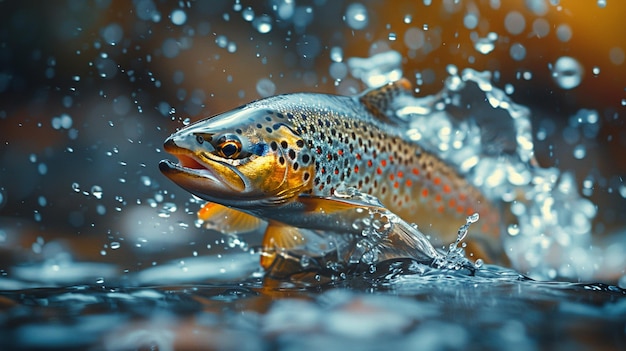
x=78, y=114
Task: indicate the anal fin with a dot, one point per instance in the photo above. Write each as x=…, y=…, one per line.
x=227, y=220
x=279, y=237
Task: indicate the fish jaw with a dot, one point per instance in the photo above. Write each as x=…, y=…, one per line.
x=206, y=178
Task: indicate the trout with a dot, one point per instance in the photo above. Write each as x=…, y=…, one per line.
x=282, y=159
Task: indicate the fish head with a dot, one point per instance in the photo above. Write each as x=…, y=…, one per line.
x=244, y=158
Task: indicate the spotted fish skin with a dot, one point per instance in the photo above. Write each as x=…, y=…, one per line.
x=349, y=144
x=304, y=145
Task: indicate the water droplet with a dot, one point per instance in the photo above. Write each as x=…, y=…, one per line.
x=414, y=38
x=178, y=17
x=616, y=55
x=470, y=21
x=356, y=16
x=265, y=87
x=564, y=32
x=513, y=229
x=567, y=72
x=514, y=22
x=76, y=187
x=96, y=191
x=517, y=52
x=112, y=34
x=305, y=261
x=248, y=14
x=479, y=263
x=580, y=152
x=263, y=24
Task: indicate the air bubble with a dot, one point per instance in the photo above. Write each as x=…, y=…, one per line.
x=76, y=187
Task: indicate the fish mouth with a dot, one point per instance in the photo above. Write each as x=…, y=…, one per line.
x=195, y=175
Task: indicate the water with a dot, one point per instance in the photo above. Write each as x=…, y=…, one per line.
x=98, y=251
x=400, y=306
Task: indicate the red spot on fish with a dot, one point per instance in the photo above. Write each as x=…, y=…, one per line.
x=424, y=192
x=391, y=177
x=336, y=171
x=379, y=171
x=452, y=203
x=383, y=163
x=358, y=156
x=446, y=188
x=462, y=197
x=437, y=180
x=396, y=185
x=438, y=197
x=470, y=211
x=323, y=170
x=416, y=171
x=340, y=152
x=391, y=158
x=356, y=169
x=409, y=182
x=440, y=209
x=400, y=174
x=369, y=163
x=460, y=209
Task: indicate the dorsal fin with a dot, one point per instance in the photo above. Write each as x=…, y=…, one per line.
x=380, y=101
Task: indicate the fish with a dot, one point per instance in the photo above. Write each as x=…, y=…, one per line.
x=284, y=160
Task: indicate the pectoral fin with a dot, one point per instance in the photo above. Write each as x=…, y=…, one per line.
x=279, y=237
x=227, y=220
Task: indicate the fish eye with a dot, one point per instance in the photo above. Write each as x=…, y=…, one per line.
x=229, y=146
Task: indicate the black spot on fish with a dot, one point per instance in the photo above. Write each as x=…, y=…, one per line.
x=306, y=176
x=268, y=118
x=316, y=181
x=328, y=178
x=303, y=116
x=284, y=144
x=289, y=115
x=269, y=112
x=199, y=139
x=305, y=159
x=268, y=129
x=300, y=143
x=274, y=146
x=296, y=166
x=320, y=122
x=292, y=154
x=280, y=115
x=238, y=131
x=281, y=160
x=258, y=125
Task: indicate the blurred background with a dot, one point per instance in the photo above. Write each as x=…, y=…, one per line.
x=90, y=89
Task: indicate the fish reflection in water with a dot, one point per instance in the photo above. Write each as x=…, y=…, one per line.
x=319, y=167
